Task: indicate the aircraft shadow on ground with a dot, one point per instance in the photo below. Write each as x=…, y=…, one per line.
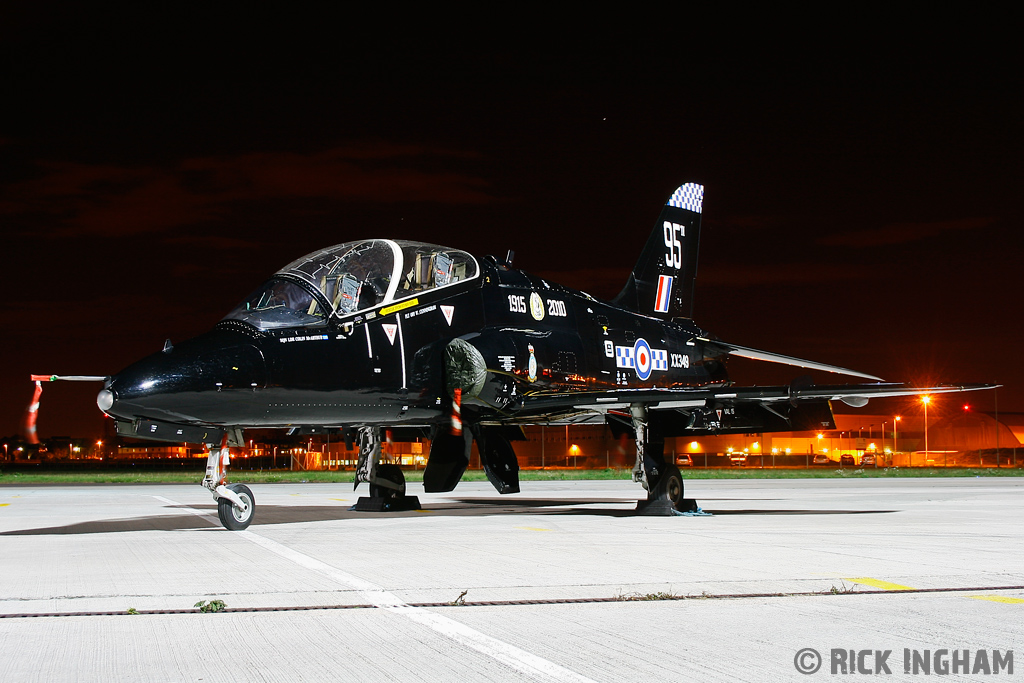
x=469, y=507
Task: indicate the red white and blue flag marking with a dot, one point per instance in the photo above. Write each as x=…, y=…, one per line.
x=664, y=293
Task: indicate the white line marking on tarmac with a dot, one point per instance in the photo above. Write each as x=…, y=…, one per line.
x=510, y=655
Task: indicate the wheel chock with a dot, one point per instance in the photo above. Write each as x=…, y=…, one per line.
x=659, y=507
x=399, y=504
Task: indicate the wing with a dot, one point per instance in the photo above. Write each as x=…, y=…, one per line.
x=852, y=394
x=715, y=409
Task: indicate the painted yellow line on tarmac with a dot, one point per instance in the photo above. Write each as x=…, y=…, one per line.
x=532, y=528
x=998, y=598
x=341, y=500
x=878, y=583
x=3, y=505
x=888, y=586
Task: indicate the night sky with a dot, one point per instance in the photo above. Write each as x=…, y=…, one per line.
x=862, y=206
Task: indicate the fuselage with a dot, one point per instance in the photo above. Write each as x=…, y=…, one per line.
x=314, y=361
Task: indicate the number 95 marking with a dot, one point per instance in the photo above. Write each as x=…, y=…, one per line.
x=674, y=255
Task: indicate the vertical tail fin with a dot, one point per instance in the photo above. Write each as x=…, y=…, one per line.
x=661, y=284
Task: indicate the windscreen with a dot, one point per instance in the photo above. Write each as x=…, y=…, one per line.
x=279, y=303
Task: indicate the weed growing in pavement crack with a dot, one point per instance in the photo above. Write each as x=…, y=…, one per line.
x=211, y=606
x=841, y=591
x=643, y=597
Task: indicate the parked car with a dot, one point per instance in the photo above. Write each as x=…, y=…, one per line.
x=820, y=459
x=738, y=460
x=867, y=460
x=684, y=461
x=846, y=459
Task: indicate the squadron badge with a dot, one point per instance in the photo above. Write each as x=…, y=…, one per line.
x=536, y=306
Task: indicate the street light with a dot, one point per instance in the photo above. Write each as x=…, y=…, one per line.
x=895, y=424
x=926, y=400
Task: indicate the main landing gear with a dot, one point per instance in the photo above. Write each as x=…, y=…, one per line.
x=663, y=481
x=387, y=483
x=236, y=505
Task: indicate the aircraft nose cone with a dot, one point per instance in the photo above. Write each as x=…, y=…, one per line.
x=211, y=378
x=105, y=400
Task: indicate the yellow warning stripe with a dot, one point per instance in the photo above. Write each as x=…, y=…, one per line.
x=998, y=598
x=878, y=583
x=889, y=586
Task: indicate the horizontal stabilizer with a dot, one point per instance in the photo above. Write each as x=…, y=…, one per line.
x=755, y=354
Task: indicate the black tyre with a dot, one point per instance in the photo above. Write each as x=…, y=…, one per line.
x=669, y=487
x=392, y=473
x=231, y=517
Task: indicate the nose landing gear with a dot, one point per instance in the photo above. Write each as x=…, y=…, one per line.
x=236, y=505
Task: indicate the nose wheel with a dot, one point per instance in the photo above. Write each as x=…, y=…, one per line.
x=233, y=516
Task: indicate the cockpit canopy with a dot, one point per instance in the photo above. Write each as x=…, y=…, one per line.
x=349, y=278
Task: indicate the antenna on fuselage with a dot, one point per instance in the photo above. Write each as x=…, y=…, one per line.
x=508, y=258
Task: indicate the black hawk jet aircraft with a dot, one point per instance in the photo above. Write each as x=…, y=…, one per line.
x=390, y=334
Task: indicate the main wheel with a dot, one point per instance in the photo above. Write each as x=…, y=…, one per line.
x=231, y=517
x=392, y=473
x=669, y=487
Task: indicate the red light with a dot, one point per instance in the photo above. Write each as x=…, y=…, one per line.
x=967, y=407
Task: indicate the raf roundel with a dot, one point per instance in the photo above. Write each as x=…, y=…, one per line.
x=642, y=358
